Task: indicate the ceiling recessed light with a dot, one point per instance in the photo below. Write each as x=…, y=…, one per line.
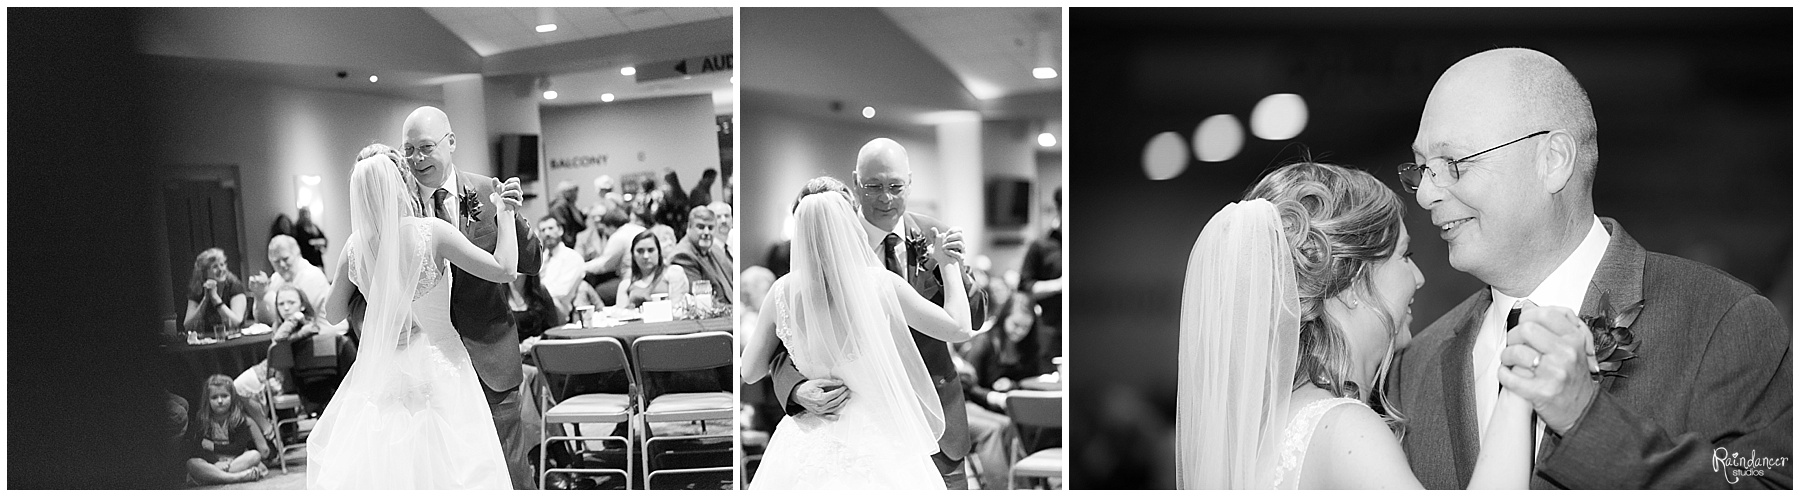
x=374, y=78
x=628, y=70
x=1046, y=140
x=549, y=94
x=606, y=97
x=545, y=28
x=868, y=112
x=1043, y=73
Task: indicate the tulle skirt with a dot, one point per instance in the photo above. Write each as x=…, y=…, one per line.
x=859, y=450
x=426, y=428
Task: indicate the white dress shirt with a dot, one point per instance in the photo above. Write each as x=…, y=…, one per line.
x=1565, y=287
x=451, y=203
x=877, y=235
x=562, y=272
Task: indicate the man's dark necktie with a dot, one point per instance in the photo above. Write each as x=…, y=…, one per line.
x=1512, y=321
x=437, y=204
x=888, y=258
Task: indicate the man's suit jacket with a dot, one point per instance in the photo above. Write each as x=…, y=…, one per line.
x=712, y=264
x=478, y=307
x=1713, y=370
x=955, y=442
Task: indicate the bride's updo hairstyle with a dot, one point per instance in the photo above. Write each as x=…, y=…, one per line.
x=1340, y=223
x=417, y=207
x=823, y=184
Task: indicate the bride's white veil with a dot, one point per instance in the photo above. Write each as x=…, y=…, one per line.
x=386, y=269
x=843, y=313
x=1240, y=340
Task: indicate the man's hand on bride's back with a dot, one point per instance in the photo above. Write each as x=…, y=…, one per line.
x=822, y=398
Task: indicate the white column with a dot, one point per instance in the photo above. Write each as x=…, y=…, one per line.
x=960, y=179
x=465, y=101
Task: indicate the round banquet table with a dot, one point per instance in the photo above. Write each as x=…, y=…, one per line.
x=193, y=363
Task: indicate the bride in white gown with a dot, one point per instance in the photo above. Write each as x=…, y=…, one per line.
x=841, y=315
x=410, y=413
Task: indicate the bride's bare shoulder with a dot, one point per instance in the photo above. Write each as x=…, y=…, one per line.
x=1353, y=447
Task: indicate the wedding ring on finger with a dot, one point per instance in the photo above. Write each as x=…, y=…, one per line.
x=1536, y=360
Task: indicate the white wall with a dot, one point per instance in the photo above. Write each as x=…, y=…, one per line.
x=271, y=133
x=650, y=135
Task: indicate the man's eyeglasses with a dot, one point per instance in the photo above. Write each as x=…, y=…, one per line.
x=409, y=152
x=896, y=190
x=1445, y=172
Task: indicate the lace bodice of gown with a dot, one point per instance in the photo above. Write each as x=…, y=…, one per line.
x=784, y=330
x=430, y=266
x=1297, y=437
x=446, y=357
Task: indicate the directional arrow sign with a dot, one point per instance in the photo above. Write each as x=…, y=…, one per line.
x=692, y=66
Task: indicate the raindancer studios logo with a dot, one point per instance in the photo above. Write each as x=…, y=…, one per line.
x=1735, y=466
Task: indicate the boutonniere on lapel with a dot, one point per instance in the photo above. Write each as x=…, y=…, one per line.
x=918, y=247
x=470, y=206
x=1613, y=342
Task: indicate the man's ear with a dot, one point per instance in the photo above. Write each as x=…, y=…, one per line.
x=452, y=141
x=1556, y=161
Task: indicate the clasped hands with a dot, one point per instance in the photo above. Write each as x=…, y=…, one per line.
x=508, y=194
x=1547, y=361
x=946, y=246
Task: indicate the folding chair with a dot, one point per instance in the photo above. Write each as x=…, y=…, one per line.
x=1040, y=409
x=281, y=357
x=676, y=353
x=577, y=357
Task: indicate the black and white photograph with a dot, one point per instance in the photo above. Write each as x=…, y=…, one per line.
x=902, y=248
x=1324, y=248
x=388, y=248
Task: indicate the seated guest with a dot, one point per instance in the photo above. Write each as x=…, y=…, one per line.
x=631, y=221
x=648, y=274
x=755, y=286
x=726, y=232
x=591, y=242
x=1000, y=360
x=173, y=460
x=215, y=296
x=562, y=268
x=562, y=207
x=703, y=257
x=290, y=269
x=666, y=234
x=226, y=447
x=607, y=189
x=318, y=355
x=533, y=308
